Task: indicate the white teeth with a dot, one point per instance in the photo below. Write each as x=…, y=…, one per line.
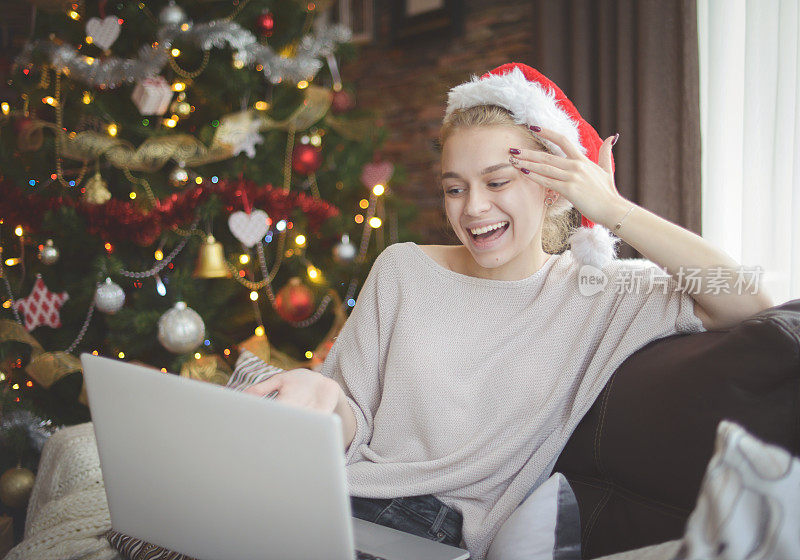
x=487, y=228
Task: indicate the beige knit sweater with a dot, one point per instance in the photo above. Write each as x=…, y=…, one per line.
x=469, y=388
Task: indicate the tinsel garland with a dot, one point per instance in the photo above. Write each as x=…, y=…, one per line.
x=21, y=426
x=112, y=72
x=122, y=220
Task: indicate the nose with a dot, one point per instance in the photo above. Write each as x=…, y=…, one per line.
x=478, y=201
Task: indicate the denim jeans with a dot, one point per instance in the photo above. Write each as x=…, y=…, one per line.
x=424, y=516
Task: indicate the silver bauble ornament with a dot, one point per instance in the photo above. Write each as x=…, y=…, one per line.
x=109, y=297
x=178, y=176
x=48, y=253
x=172, y=14
x=344, y=251
x=181, y=329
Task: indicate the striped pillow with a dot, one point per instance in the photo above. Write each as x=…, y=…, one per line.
x=249, y=370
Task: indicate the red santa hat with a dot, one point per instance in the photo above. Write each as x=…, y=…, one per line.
x=532, y=99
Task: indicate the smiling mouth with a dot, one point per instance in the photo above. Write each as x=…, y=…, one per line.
x=489, y=235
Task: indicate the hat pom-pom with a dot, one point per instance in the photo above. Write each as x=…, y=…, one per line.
x=595, y=246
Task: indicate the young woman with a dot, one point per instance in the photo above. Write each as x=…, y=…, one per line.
x=463, y=370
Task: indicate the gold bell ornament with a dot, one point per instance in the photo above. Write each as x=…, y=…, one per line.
x=211, y=260
x=16, y=486
x=96, y=190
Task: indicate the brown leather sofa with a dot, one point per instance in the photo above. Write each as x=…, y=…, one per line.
x=636, y=460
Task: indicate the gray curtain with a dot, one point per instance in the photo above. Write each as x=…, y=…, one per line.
x=631, y=66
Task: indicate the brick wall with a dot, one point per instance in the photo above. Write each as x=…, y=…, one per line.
x=407, y=87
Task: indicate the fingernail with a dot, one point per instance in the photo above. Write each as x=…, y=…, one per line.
x=513, y=150
x=616, y=137
x=535, y=128
x=525, y=171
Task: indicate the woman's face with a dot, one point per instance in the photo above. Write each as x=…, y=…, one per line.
x=481, y=187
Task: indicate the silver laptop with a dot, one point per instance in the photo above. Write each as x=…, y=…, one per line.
x=223, y=475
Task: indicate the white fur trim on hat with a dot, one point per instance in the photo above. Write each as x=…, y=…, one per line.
x=595, y=246
x=529, y=102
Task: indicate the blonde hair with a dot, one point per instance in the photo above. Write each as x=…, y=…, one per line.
x=559, y=217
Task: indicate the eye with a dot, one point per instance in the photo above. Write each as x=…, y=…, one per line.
x=497, y=184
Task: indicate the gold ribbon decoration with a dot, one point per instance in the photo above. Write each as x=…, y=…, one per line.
x=45, y=367
x=315, y=105
x=210, y=369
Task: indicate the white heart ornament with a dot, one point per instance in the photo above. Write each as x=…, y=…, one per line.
x=249, y=228
x=103, y=31
x=377, y=174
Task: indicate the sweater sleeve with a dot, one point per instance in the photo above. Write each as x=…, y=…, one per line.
x=646, y=291
x=357, y=357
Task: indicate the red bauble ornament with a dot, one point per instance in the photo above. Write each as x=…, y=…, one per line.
x=306, y=159
x=266, y=23
x=295, y=301
x=342, y=101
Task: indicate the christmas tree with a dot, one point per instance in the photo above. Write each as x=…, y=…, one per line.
x=179, y=181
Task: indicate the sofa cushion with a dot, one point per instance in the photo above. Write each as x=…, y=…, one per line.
x=636, y=460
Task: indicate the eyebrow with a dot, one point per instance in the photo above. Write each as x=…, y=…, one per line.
x=490, y=169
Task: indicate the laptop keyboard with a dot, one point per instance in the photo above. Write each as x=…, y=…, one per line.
x=366, y=556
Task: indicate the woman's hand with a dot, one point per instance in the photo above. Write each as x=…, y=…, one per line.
x=301, y=387
x=588, y=186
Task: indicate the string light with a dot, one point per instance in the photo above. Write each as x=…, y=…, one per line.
x=89, y=60
x=7, y=304
x=15, y=386
x=170, y=123
x=244, y=258
x=12, y=261
x=49, y=100
x=18, y=231
x=178, y=86
x=108, y=246
x=197, y=355
x=309, y=354
x=132, y=195
x=112, y=129
x=254, y=296
x=363, y=203
x=359, y=218
x=2, y=376
x=227, y=351
x=89, y=40
x=87, y=98
x=95, y=352
x=5, y=107
x=198, y=180
x=302, y=84
x=121, y=355
x=74, y=15
x=313, y=272
x=280, y=226
x=378, y=190
x=300, y=240
x=159, y=255
x=163, y=370
x=259, y=331
x=262, y=105
x=175, y=52
x=375, y=222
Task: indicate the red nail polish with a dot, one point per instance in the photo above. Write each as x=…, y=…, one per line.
x=616, y=137
x=535, y=128
x=525, y=171
x=513, y=150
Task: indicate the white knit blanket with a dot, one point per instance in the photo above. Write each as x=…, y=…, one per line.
x=67, y=512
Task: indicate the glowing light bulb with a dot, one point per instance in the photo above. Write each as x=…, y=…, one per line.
x=12, y=262
x=7, y=304
x=363, y=203
x=309, y=354
x=375, y=222
x=74, y=15
x=112, y=129
x=5, y=107
x=87, y=98
x=300, y=240
x=378, y=190
x=313, y=272
x=280, y=226
x=170, y=123
x=302, y=84
x=121, y=355
x=178, y=86
x=262, y=105
x=89, y=40
x=259, y=331
x=244, y=258
x=49, y=100
x=18, y=231
x=89, y=60
x=132, y=195
x=175, y=52
x=359, y=218
x=159, y=255
x=197, y=355
x=254, y=295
